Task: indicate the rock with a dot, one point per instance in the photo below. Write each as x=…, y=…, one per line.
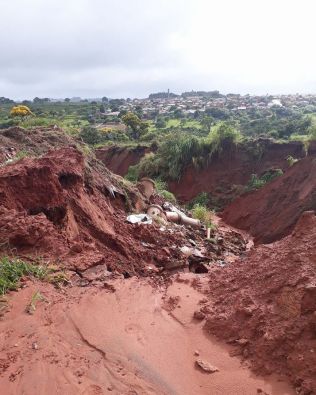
x=205, y=366
x=196, y=353
x=198, y=315
x=242, y=342
x=35, y=346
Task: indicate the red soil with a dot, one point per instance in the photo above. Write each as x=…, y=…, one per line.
x=123, y=340
x=272, y=211
x=59, y=207
x=226, y=174
x=125, y=337
x=119, y=159
x=265, y=304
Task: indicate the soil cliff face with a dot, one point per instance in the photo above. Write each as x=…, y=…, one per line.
x=232, y=169
x=119, y=159
x=265, y=304
x=272, y=211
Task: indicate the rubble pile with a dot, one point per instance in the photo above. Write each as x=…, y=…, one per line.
x=265, y=305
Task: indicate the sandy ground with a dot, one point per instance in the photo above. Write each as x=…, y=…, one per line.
x=130, y=339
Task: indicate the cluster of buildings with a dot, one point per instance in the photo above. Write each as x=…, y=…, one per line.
x=190, y=105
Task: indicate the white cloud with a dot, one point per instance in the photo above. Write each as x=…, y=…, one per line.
x=130, y=48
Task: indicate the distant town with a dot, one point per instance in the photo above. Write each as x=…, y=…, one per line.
x=188, y=103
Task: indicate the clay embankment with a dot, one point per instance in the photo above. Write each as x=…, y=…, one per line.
x=265, y=304
x=223, y=176
x=272, y=211
x=119, y=159
x=227, y=173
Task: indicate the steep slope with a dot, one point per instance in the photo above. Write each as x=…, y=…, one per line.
x=272, y=211
x=225, y=173
x=119, y=159
x=265, y=304
x=61, y=207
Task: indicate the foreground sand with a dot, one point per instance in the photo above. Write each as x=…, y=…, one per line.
x=128, y=338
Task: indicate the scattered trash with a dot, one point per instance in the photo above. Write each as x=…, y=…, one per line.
x=187, y=251
x=156, y=211
x=206, y=367
x=139, y=218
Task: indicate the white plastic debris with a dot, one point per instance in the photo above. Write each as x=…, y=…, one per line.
x=139, y=219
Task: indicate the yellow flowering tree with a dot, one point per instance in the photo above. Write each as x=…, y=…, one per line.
x=20, y=111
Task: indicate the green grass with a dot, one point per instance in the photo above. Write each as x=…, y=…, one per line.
x=203, y=214
x=13, y=269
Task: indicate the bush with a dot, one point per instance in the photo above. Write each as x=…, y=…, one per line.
x=223, y=133
x=203, y=214
x=90, y=135
x=256, y=183
x=132, y=174
x=290, y=160
x=179, y=150
x=168, y=196
x=34, y=122
x=202, y=199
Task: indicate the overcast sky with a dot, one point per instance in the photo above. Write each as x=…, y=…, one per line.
x=130, y=48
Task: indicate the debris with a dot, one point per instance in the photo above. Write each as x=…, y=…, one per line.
x=199, y=315
x=35, y=346
x=139, y=219
x=197, y=267
x=206, y=367
x=187, y=251
x=155, y=211
x=147, y=187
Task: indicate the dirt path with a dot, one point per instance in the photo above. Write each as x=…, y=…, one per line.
x=134, y=340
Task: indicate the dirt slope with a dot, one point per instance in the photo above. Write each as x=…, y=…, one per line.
x=60, y=207
x=272, y=211
x=35, y=141
x=226, y=173
x=119, y=159
x=266, y=305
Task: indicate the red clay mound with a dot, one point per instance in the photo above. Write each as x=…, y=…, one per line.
x=272, y=211
x=266, y=305
x=61, y=208
x=36, y=141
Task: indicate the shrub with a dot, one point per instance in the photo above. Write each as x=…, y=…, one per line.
x=179, y=150
x=290, y=160
x=90, y=135
x=168, y=196
x=223, y=133
x=202, y=199
x=203, y=214
x=132, y=174
x=34, y=122
x=255, y=182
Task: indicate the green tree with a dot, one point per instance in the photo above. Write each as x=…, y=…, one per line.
x=137, y=127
